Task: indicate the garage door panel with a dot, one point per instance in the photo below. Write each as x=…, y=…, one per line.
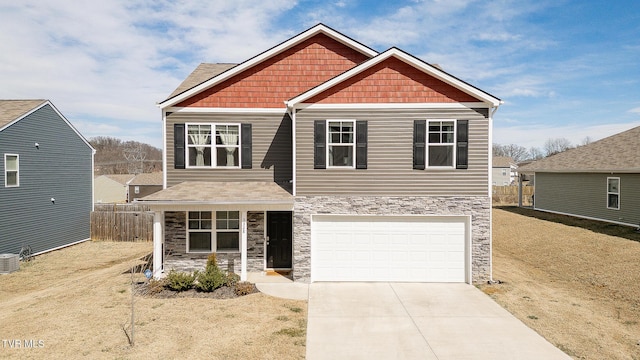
x=357, y=248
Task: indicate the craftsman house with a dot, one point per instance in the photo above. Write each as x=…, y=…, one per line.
x=326, y=158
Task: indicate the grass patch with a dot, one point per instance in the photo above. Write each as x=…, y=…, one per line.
x=291, y=332
x=532, y=317
x=282, y=318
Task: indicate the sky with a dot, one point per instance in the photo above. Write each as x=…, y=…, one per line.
x=564, y=69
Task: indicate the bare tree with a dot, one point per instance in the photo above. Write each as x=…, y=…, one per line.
x=586, y=141
x=557, y=145
x=114, y=156
x=535, y=153
x=516, y=152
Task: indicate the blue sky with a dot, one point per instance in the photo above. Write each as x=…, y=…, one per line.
x=563, y=68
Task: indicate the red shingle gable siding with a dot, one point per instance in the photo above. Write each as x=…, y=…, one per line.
x=392, y=81
x=270, y=83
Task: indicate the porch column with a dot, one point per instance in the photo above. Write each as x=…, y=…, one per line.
x=519, y=190
x=243, y=247
x=158, y=241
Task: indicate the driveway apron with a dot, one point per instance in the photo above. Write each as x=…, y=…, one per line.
x=416, y=321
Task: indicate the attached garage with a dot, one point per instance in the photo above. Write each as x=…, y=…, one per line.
x=390, y=248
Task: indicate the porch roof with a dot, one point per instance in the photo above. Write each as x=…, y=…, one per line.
x=198, y=193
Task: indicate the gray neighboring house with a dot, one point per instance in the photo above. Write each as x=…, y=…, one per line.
x=329, y=160
x=111, y=188
x=599, y=181
x=144, y=184
x=504, y=171
x=46, y=178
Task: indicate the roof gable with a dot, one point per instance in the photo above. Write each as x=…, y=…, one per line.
x=338, y=41
x=400, y=78
x=11, y=110
x=616, y=153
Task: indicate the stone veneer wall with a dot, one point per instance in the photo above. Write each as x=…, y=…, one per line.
x=175, y=246
x=478, y=207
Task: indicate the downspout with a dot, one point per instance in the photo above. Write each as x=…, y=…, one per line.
x=164, y=149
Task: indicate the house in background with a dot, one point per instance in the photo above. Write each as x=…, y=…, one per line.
x=46, y=178
x=144, y=184
x=599, y=181
x=504, y=171
x=112, y=188
x=325, y=158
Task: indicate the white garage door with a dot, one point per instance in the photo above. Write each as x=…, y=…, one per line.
x=388, y=248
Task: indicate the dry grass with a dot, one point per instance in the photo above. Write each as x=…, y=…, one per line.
x=76, y=301
x=576, y=282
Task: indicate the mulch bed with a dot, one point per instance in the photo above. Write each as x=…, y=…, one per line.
x=224, y=292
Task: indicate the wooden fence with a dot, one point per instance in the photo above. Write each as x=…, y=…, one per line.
x=121, y=222
x=508, y=195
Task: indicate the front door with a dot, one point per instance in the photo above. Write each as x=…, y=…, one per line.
x=279, y=240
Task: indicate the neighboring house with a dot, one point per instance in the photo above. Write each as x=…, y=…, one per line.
x=504, y=172
x=112, y=188
x=598, y=181
x=144, y=184
x=46, y=178
x=323, y=157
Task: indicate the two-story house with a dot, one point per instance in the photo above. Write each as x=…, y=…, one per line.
x=327, y=158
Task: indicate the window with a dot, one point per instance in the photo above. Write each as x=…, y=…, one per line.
x=504, y=172
x=11, y=170
x=441, y=144
x=341, y=143
x=613, y=193
x=136, y=189
x=228, y=231
x=199, y=228
x=205, y=151
x=201, y=231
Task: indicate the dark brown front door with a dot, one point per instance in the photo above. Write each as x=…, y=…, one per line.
x=279, y=240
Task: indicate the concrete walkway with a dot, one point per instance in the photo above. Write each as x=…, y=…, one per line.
x=416, y=321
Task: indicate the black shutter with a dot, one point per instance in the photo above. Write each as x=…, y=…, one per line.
x=319, y=144
x=462, y=145
x=419, y=142
x=361, y=144
x=178, y=146
x=246, y=145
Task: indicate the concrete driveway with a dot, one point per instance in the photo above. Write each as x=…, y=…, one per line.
x=416, y=321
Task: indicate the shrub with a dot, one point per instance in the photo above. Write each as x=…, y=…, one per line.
x=211, y=279
x=156, y=286
x=232, y=279
x=211, y=260
x=244, y=288
x=180, y=281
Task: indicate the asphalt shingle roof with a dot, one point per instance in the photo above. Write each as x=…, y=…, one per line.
x=616, y=153
x=202, y=73
x=222, y=193
x=13, y=109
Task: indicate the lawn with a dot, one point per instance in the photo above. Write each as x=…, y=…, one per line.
x=576, y=282
x=75, y=302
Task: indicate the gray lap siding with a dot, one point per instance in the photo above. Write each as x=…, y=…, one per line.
x=585, y=195
x=271, y=148
x=390, y=156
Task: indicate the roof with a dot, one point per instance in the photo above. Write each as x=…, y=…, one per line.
x=121, y=178
x=147, y=179
x=503, y=162
x=200, y=192
x=11, y=110
x=202, y=73
x=617, y=153
x=177, y=97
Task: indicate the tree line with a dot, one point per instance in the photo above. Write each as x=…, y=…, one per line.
x=114, y=156
x=551, y=147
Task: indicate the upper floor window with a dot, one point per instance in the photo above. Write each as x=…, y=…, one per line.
x=213, y=145
x=613, y=193
x=206, y=145
x=440, y=144
x=340, y=144
x=11, y=170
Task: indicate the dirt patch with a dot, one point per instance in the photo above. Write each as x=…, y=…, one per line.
x=54, y=310
x=224, y=292
x=576, y=282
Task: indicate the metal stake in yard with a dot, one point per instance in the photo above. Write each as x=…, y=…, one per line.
x=132, y=309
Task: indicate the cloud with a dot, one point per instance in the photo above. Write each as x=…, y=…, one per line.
x=635, y=110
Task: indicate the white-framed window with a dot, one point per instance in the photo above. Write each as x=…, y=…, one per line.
x=441, y=141
x=341, y=143
x=136, y=189
x=213, y=145
x=613, y=193
x=203, y=237
x=11, y=170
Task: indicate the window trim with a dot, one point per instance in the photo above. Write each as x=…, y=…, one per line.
x=17, y=171
x=328, y=144
x=214, y=233
x=613, y=193
x=453, y=145
x=213, y=146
